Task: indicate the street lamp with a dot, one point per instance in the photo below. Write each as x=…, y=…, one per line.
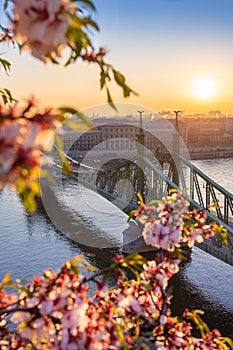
x=176, y=150
x=140, y=113
x=141, y=135
x=177, y=125
x=140, y=147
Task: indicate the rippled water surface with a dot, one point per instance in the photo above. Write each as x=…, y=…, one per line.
x=30, y=243
x=218, y=170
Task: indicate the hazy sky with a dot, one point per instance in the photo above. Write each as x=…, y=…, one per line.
x=177, y=54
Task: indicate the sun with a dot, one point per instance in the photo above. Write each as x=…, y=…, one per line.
x=204, y=88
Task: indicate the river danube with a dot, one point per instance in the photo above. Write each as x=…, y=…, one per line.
x=30, y=243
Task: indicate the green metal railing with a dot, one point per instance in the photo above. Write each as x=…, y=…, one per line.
x=200, y=205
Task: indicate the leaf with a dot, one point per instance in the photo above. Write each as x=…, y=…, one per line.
x=120, y=334
x=104, y=75
x=120, y=80
x=25, y=290
x=75, y=269
x=147, y=286
x=173, y=190
x=119, y=77
x=182, y=254
x=69, y=110
x=6, y=65
x=201, y=325
x=52, y=59
x=222, y=234
x=6, y=3
x=4, y=99
x=78, y=259
x=21, y=185
x=74, y=112
x=6, y=278
x=155, y=201
x=141, y=202
x=137, y=330
x=110, y=101
x=221, y=343
x=78, y=37
x=85, y=21
x=72, y=58
x=91, y=268
x=28, y=200
x=66, y=168
x=135, y=259
x=131, y=215
x=89, y=3
x=228, y=341
x=8, y=92
x=6, y=96
x=102, y=79
x=35, y=187
x=84, y=118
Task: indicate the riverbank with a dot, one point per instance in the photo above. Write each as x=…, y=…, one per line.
x=202, y=153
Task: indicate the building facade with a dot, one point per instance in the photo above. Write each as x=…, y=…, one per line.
x=122, y=135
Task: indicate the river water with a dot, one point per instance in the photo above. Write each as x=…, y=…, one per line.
x=30, y=243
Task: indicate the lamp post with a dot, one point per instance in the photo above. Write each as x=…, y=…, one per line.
x=140, y=113
x=177, y=134
x=176, y=146
x=177, y=123
x=140, y=147
x=141, y=135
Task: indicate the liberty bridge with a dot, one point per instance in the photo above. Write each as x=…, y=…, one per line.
x=153, y=174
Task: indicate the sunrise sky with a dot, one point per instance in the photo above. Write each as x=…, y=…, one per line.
x=177, y=54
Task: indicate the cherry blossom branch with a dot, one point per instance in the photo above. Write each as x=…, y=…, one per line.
x=17, y=335
x=33, y=310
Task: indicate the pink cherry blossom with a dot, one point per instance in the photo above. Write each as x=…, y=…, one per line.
x=46, y=307
x=76, y=317
x=162, y=235
x=24, y=134
x=41, y=25
x=100, y=321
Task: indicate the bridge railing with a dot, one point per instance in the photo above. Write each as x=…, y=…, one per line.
x=193, y=202
x=209, y=193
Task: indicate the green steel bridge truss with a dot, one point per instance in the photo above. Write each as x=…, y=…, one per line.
x=120, y=181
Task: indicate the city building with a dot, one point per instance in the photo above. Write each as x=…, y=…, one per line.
x=109, y=137
x=120, y=135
